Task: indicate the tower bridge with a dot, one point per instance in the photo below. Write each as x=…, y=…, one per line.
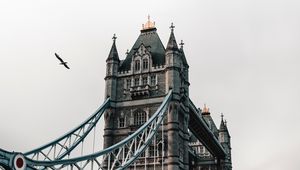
x=150, y=121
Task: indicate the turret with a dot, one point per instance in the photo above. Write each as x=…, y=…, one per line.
x=224, y=138
x=173, y=64
x=112, y=66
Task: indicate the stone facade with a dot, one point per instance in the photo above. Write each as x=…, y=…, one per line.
x=137, y=86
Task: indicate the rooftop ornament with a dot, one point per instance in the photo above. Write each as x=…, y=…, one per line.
x=149, y=24
x=205, y=109
x=172, y=27
x=181, y=44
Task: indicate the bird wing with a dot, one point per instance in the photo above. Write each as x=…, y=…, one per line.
x=66, y=66
x=61, y=60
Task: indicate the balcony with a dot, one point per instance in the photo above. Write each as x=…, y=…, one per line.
x=141, y=90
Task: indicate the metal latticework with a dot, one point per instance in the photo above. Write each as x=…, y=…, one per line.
x=118, y=156
x=64, y=145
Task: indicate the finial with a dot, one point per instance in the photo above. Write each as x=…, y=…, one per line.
x=114, y=37
x=205, y=109
x=148, y=24
x=225, y=122
x=127, y=52
x=181, y=44
x=172, y=27
x=222, y=115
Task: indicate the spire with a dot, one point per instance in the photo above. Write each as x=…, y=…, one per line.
x=172, y=44
x=223, y=127
x=182, y=52
x=113, y=54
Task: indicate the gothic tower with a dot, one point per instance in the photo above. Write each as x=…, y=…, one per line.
x=224, y=139
x=137, y=86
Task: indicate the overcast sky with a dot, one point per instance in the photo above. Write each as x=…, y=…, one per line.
x=244, y=59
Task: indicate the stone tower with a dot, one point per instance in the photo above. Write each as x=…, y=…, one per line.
x=224, y=138
x=137, y=86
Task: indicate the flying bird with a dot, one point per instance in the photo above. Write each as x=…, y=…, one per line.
x=62, y=62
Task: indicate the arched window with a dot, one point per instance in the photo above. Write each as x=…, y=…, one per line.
x=145, y=63
x=145, y=80
x=140, y=117
x=122, y=120
x=153, y=80
x=137, y=65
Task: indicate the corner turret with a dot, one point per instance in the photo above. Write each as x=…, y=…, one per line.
x=224, y=138
x=112, y=66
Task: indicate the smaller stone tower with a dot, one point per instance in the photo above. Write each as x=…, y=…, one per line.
x=224, y=138
x=112, y=66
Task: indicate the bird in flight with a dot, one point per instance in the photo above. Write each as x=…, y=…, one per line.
x=62, y=62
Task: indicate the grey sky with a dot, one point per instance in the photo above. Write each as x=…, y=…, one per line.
x=243, y=56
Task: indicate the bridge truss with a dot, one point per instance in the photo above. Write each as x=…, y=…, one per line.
x=56, y=154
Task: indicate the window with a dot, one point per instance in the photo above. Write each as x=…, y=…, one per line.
x=128, y=83
x=201, y=150
x=222, y=139
x=151, y=151
x=136, y=82
x=145, y=64
x=137, y=65
x=121, y=122
x=142, y=155
x=153, y=80
x=160, y=149
x=139, y=118
x=145, y=80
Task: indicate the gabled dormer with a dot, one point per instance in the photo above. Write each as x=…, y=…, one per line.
x=141, y=60
x=148, y=43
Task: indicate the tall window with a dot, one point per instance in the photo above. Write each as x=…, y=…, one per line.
x=136, y=81
x=145, y=63
x=145, y=80
x=137, y=65
x=139, y=118
x=201, y=150
x=121, y=122
x=151, y=151
x=128, y=83
x=153, y=80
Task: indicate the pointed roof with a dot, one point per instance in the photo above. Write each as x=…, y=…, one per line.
x=208, y=119
x=149, y=38
x=172, y=44
x=223, y=125
x=113, y=54
x=183, y=55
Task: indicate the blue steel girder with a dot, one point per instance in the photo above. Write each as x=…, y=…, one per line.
x=202, y=132
x=110, y=154
x=64, y=145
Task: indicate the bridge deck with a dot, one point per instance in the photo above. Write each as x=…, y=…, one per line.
x=199, y=128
